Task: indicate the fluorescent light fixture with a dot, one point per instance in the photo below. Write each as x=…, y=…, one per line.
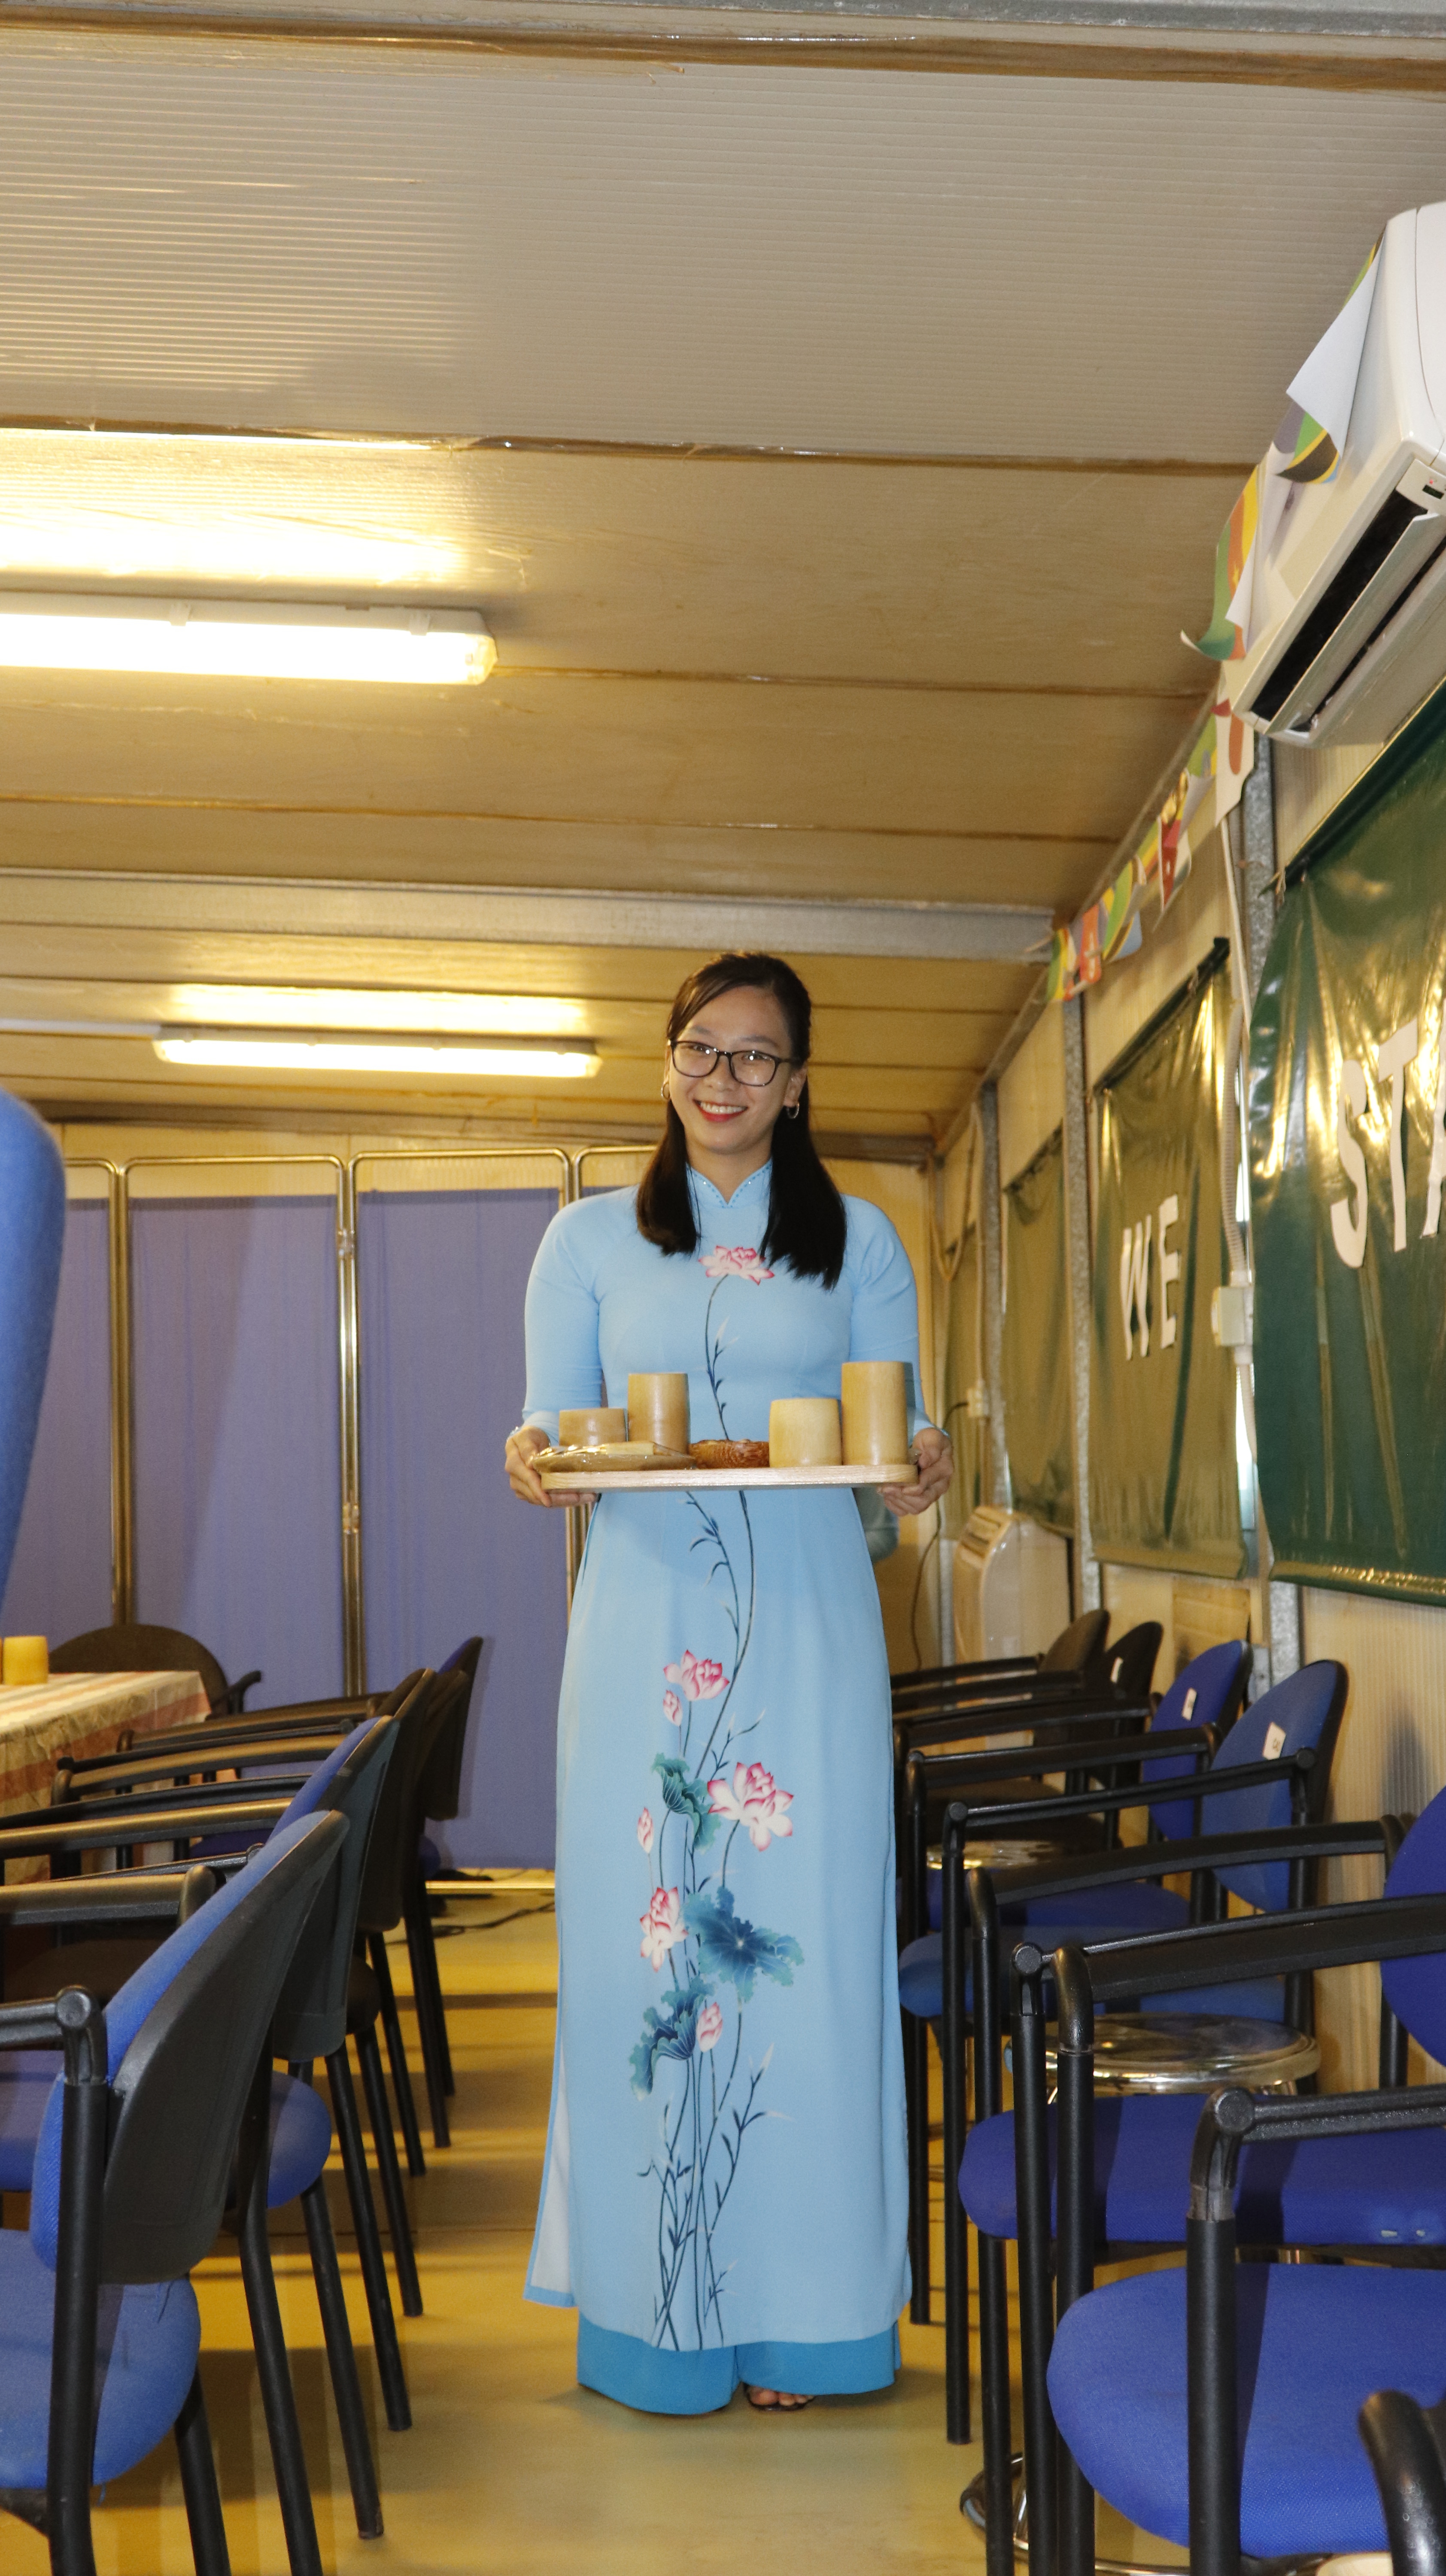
x=316, y=1007
x=373, y=1055
x=242, y=639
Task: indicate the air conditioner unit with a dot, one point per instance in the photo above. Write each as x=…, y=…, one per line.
x=1011, y=1586
x=1346, y=634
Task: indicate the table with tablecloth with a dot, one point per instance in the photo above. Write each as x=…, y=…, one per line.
x=82, y=1714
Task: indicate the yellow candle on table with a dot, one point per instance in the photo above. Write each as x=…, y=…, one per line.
x=875, y=1413
x=26, y=1662
x=803, y=1431
x=658, y=1407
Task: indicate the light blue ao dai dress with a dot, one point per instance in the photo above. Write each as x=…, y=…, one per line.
x=725, y=2190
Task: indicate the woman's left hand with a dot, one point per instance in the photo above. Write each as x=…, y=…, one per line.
x=934, y=1456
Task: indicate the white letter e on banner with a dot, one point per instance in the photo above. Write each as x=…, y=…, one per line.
x=1350, y=1232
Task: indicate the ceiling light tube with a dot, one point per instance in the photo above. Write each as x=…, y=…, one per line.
x=242, y=639
x=223, y=1048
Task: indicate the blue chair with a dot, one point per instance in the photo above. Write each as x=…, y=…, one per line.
x=1096, y=1735
x=99, y=2328
x=310, y=2021
x=1142, y=2145
x=1289, y=2353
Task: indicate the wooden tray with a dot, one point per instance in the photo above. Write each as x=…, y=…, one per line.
x=686, y=1480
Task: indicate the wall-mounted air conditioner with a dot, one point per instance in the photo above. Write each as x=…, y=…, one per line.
x=1345, y=633
x=1011, y=1586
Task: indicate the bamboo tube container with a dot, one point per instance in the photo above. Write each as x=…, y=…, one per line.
x=803, y=1431
x=875, y=1413
x=589, y=1428
x=658, y=1407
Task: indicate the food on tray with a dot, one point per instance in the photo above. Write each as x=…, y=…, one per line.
x=606, y=1457
x=729, y=1453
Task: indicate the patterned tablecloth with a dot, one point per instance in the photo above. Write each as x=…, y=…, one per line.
x=82, y=1713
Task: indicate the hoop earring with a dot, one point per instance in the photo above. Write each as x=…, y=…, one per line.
x=793, y=1107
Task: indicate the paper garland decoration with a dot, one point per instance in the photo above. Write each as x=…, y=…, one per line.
x=1216, y=767
x=1305, y=450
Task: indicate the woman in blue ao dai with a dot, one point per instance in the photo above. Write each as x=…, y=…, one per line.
x=725, y=2192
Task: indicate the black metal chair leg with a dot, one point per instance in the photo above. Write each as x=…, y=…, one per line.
x=278, y=2397
x=428, y=1932
x=916, y=2101
x=369, y=2243
x=427, y=2030
x=398, y=2224
x=198, y=2485
x=396, y=2051
x=994, y=2407
x=345, y=2384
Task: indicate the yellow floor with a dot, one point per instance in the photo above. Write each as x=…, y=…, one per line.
x=510, y=2466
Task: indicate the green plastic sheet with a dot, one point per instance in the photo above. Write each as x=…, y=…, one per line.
x=1164, y=1484
x=1348, y=1155
x=1035, y=1353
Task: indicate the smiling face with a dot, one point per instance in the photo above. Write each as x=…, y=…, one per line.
x=726, y=1122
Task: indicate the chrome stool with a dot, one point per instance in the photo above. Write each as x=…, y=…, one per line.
x=1167, y=2053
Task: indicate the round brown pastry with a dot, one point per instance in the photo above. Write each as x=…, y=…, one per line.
x=728, y=1453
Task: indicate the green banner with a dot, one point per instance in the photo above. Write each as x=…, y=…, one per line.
x=963, y=1369
x=1164, y=1486
x=1035, y=1355
x=1348, y=1159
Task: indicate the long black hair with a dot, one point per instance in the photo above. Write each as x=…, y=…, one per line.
x=807, y=1224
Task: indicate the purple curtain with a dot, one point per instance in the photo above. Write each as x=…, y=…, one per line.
x=237, y=1433
x=447, y=1552
x=60, y=1575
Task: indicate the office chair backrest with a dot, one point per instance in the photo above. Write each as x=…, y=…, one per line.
x=1077, y=1645
x=1129, y=1664
x=392, y=1858
x=311, y=2014
x=1305, y=1709
x=439, y=1793
x=1415, y=1989
x=1209, y=1692
x=139, y=1648
x=184, y=2038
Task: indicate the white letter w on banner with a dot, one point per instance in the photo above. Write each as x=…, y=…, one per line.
x=1135, y=1286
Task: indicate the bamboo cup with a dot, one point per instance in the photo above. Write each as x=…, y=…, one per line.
x=875, y=1413
x=803, y=1431
x=26, y=1662
x=589, y=1428
x=658, y=1407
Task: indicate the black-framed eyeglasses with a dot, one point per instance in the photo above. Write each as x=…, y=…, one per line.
x=748, y=1065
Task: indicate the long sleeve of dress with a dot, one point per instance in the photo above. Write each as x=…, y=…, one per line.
x=564, y=1364
x=885, y=1322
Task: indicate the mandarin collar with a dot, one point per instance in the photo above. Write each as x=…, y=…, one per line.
x=709, y=1196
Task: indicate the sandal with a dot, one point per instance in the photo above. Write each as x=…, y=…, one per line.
x=773, y=2401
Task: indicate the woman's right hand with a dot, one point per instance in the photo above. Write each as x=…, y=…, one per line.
x=522, y=1476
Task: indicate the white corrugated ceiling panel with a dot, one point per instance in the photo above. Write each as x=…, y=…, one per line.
x=266, y=236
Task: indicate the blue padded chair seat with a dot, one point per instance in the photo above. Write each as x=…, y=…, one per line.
x=1099, y=1913
x=300, y=2139
x=300, y=2126
x=26, y=2076
x=1314, y=2341
x=150, y=2338
x=1259, y=1999
x=1324, y=2191
x=1139, y=1906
